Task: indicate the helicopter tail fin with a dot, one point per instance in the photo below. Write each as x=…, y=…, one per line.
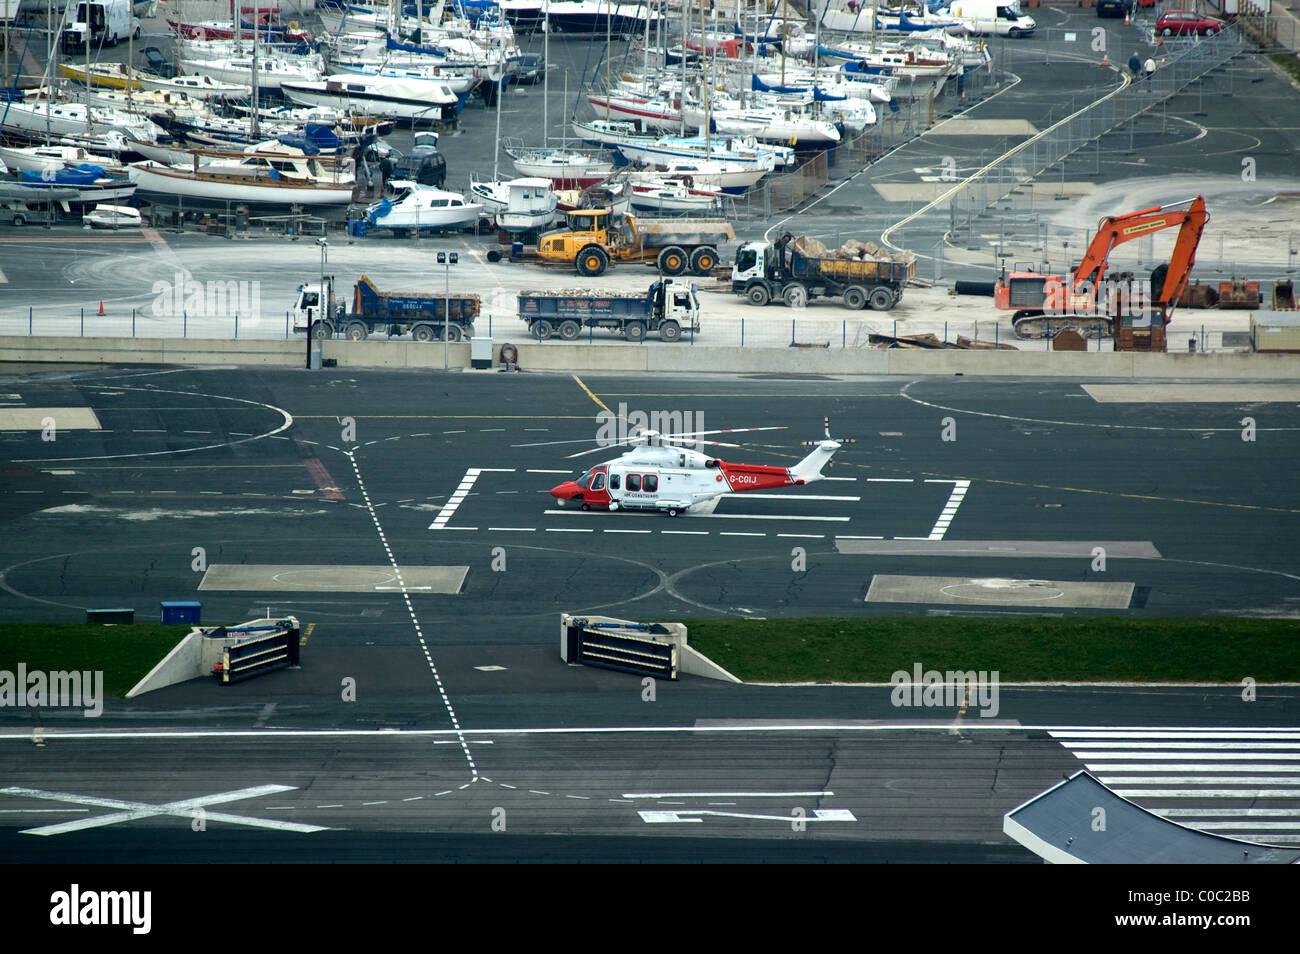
x=810, y=468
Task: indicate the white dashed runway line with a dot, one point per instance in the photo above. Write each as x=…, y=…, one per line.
x=960, y=487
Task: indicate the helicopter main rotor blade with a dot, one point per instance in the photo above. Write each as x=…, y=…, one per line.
x=724, y=430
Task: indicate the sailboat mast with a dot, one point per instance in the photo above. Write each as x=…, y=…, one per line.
x=130, y=51
x=708, y=81
x=252, y=124
x=609, y=53
x=87, y=9
x=496, y=149
x=681, y=98
x=546, y=61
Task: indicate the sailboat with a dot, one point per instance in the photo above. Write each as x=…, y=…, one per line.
x=566, y=168
x=393, y=97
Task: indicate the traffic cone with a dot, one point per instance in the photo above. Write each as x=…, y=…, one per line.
x=1127, y=21
x=101, y=308
x=1160, y=41
x=1105, y=60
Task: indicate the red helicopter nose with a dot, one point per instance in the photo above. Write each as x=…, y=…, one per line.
x=566, y=491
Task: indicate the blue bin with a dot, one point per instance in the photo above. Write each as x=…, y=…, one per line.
x=516, y=249
x=174, y=612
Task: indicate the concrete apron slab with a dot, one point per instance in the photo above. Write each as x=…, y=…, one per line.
x=267, y=578
x=1193, y=393
x=975, y=591
x=33, y=418
x=1072, y=549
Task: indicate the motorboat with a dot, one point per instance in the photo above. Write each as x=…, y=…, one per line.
x=105, y=216
x=517, y=205
x=40, y=158
x=416, y=208
x=91, y=182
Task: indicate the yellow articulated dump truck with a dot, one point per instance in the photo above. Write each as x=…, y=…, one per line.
x=594, y=238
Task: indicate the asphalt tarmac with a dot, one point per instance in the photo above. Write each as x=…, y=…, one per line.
x=255, y=468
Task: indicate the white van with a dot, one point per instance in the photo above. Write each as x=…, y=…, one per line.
x=101, y=22
x=1000, y=17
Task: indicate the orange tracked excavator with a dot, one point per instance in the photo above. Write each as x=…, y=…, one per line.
x=1093, y=304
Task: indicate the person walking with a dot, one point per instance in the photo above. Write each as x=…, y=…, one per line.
x=1135, y=64
x=1149, y=67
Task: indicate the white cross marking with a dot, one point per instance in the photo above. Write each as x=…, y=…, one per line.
x=131, y=810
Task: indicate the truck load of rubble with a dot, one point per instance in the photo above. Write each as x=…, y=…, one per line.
x=852, y=251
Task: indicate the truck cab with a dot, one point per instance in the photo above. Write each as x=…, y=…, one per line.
x=755, y=260
x=680, y=303
x=312, y=306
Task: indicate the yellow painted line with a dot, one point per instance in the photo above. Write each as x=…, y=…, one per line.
x=306, y=634
x=592, y=396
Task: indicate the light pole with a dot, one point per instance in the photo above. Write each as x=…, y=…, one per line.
x=322, y=308
x=446, y=260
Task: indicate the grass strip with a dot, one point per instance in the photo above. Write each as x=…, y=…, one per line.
x=125, y=654
x=1023, y=649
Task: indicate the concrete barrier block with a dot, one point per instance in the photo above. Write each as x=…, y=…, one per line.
x=1105, y=364
x=573, y=356
x=183, y=663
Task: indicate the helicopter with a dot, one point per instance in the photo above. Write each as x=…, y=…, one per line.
x=658, y=474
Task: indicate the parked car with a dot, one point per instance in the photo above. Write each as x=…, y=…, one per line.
x=1186, y=23
x=1114, y=8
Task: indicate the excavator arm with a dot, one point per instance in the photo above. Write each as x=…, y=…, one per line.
x=1117, y=229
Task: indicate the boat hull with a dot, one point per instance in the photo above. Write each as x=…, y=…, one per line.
x=407, y=110
x=269, y=192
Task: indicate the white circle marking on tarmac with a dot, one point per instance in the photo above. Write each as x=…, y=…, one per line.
x=284, y=426
x=1003, y=591
x=902, y=392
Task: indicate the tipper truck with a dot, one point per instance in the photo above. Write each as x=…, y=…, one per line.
x=393, y=313
x=595, y=237
x=668, y=308
x=797, y=270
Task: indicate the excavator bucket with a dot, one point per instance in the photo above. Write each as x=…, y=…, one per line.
x=1284, y=296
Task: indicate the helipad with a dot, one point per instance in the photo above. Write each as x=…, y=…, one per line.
x=995, y=591
x=268, y=578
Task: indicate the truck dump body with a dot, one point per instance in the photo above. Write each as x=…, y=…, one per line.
x=809, y=260
x=661, y=233
x=369, y=302
x=581, y=305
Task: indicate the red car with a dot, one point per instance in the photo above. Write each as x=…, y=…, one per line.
x=1185, y=23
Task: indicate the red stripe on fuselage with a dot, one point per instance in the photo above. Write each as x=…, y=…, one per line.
x=741, y=477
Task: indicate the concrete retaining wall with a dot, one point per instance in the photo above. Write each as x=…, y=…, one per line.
x=656, y=357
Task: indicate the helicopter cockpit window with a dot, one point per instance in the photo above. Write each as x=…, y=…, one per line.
x=634, y=483
x=615, y=480
x=598, y=482
x=585, y=480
